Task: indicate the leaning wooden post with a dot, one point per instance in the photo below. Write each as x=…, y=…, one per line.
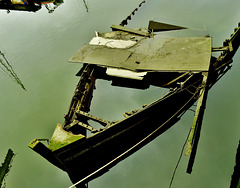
x=194, y=135
x=6, y=165
x=235, y=182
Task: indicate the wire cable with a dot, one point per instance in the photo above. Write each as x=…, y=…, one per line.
x=180, y=157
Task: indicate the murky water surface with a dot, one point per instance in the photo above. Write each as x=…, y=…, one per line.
x=38, y=46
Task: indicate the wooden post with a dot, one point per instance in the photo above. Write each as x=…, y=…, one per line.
x=6, y=165
x=235, y=182
x=194, y=135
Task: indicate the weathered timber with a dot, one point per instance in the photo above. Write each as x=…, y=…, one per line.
x=94, y=118
x=189, y=72
x=197, y=124
x=158, y=26
x=82, y=98
x=235, y=182
x=133, y=31
x=6, y=165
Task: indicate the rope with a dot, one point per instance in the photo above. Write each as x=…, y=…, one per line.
x=133, y=147
x=124, y=22
x=174, y=172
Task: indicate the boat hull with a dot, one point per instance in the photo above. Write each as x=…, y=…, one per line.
x=95, y=155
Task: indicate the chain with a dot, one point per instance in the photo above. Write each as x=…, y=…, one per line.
x=125, y=21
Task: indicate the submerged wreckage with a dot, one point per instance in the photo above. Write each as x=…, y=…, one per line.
x=135, y=58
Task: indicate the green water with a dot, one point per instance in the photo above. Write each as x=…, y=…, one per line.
x=38, y=46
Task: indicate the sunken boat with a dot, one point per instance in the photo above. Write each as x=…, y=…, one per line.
x=135, y=58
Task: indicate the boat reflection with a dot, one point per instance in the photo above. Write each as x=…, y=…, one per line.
x=29, y=5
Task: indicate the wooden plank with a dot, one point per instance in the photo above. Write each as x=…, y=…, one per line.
x=90, y=128
x=152, y=54
x=194, y=135
x=92, y=117
x=42, y=150
x=6, y=165
x=235, y=182
x=134, y=31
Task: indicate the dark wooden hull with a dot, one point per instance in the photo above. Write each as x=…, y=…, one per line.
x=92, y=156
x=107, y=148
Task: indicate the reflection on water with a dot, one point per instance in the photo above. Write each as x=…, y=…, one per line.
x=22, y=5
x=38, y=47
x=50, y=8
x=5, y=167
x=8, y=69
x=125, y=21
x=85, y=5
x=32, y=5
x=29, y=5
